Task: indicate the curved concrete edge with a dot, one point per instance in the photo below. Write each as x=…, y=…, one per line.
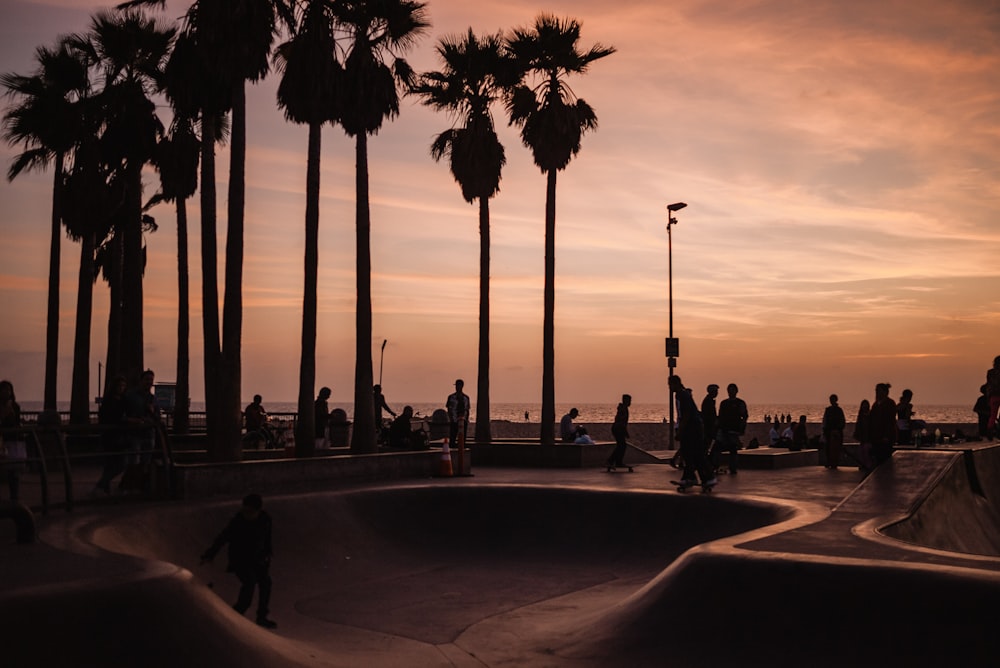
x=158, y=613
x=722, y=603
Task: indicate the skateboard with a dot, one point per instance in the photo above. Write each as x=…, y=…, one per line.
x=681, y=487
x=614, y=469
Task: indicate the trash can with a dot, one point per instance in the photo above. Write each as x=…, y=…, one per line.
x=339, y=428
x=439, y=426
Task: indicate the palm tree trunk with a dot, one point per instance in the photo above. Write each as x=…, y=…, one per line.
x=232, y=307
x=132, y=269
x=548, y=327
x=182, y=397
x=305, y=443
x=210, y=285
x=79, y=408
x=483, y=431
x=363, y=436
x=52, y=317
x=112, y=363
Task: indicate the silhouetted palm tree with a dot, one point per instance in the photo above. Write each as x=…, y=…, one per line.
x=476, y=73
x=176, y=160
x=374, y=75
x=197, y=89
x=308, y=94
x=552, y=123
x=94, y=200
x=129, y=49
x=45, y=121
x=229, y=43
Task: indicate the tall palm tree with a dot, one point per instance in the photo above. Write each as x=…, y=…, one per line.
x=129, y=50
x=475, y=75
x=552, y=122
x=198, y=89
x=93, y=203
x=233, y=40
x=308, y=94
x=377, y=31
x=176, y=160
x=44, y=121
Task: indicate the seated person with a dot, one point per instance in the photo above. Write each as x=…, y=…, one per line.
x=401, y=434
x=777, y=439
x=567, y=430
x=255, y=416
x=582, y=437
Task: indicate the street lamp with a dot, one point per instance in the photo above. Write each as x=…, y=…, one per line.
x=673, y=347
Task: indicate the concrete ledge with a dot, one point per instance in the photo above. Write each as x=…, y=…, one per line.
x=533, y=454
x=530, y=453
x=777, y=458
x=316, y=473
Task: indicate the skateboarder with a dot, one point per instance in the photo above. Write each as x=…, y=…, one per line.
x=249, y=538
x=691, y=434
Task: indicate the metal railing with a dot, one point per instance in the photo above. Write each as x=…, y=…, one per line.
x=48, y=449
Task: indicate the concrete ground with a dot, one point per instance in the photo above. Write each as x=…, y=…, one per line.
x=527, y=567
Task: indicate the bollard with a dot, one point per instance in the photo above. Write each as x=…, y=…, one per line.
x=445, y=470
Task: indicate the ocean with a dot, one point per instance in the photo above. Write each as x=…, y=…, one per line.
x=605, y=413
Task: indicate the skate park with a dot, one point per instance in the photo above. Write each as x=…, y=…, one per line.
x=538, y=567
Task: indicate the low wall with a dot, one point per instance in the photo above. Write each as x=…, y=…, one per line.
x=300, y=475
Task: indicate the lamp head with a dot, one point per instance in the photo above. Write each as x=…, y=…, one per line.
x=677, y=206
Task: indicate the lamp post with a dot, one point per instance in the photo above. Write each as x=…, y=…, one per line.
x=673, y=347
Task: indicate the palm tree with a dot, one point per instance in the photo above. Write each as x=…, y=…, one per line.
x=233, y=43
x=93, y=203
x=130, y=50
x=45, y=121
x=177, y=162
x=552, y=123
x=374, y=74
x=308, y=94
x=476, y=73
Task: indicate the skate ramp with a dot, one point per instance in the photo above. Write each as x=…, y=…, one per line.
x=405, y=572
x=960, y=512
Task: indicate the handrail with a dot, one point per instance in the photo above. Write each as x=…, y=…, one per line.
x=36, y=436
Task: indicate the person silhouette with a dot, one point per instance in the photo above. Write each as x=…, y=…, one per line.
x=249, y=537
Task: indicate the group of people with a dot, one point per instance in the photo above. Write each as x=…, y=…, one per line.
x=707, y=433
x=130, y=420
x=987, y=406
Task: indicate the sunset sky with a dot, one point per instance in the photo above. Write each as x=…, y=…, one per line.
x=840, y=160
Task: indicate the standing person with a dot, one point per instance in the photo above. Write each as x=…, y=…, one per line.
x=862, y=434
x=143, y=417
x=982, y=411
x=111, y=417
x=13, y=447
x=904, y=413
x=619, y=429
x=458, y=406
x=380, y=404
x=882, y=424
x=709, y=416
x=691, y=434
x=800, y=436
x=567, y=430
x=733, y=416
x=321, y=413
x=249, y=538
x=833, y=432
x=993, y=383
